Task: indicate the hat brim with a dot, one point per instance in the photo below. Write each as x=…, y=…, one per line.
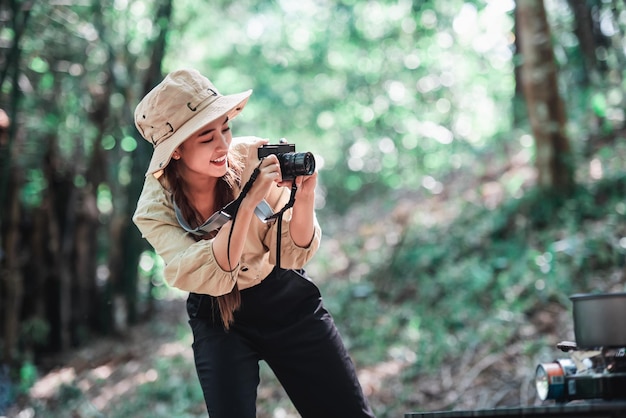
x=230, y=105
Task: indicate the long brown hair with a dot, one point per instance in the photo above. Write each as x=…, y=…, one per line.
x=224, y=194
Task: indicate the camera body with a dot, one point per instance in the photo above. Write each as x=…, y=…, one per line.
x=281, y=148
x=292, y=163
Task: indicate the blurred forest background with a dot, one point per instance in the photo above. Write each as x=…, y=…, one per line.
x=472, y=178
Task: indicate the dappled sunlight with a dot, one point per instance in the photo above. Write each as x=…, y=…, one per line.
x=123, y=386
x=175, y=349
x=376, y=377
x=113, y=368
x=595, y=169
x=443, y=263
x=117, y=377
x=48, y=385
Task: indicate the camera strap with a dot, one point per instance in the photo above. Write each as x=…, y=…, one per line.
x=263, y=211
x=279, y=217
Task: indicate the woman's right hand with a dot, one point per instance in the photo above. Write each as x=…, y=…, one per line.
x=230, y=240
x=269, y=172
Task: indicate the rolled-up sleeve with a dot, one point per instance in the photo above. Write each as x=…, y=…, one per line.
x=189, y=265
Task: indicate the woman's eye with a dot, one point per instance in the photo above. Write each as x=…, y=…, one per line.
x=226, y=129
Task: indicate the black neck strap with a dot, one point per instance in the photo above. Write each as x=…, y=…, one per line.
x=229, y=212
x=279, y=218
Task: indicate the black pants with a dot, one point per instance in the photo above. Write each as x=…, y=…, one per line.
x=282, y=321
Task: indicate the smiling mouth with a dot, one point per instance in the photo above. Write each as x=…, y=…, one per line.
x=219, y=161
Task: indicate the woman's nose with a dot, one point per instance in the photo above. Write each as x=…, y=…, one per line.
x=222, y=140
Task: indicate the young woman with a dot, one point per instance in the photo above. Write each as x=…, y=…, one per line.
x=249, y=298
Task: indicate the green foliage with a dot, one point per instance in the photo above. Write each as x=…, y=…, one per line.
x=69, y=394
x=69, y=400
x=377, y=94
x=475, y=279
x=173, y=392
x=33, y=188
x=395, y=99
x=28, y=376
x=35, y=333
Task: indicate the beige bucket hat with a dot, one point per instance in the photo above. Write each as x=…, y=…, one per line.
x=184, y=102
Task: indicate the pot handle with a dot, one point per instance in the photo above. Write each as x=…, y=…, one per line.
x=567, y=346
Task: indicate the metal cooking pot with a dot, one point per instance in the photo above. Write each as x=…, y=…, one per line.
x=600, y=320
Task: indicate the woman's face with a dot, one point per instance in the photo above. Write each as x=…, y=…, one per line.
x=204, y=153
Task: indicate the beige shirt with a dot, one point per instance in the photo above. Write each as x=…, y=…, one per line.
x=191, y=265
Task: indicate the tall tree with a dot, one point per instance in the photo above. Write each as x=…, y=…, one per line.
x=11, y=279
x=546, y=109
x=69, y=252
x=132, y=244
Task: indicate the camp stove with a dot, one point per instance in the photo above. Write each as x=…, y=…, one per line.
x=596, y=367
x=586, y=374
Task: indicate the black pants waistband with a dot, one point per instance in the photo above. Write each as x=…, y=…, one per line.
x=284, y=295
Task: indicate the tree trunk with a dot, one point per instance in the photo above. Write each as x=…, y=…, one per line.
x=11, y=278
x=546, y=110
x=12, y=275
x=86, y=266
x=589, y=37
x=133, y=244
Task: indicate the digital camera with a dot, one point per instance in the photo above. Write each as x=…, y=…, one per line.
x=292, y=163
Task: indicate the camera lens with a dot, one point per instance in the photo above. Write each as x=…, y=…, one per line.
x=293, y=164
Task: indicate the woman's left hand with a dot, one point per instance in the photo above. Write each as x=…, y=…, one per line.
x=305, y=184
